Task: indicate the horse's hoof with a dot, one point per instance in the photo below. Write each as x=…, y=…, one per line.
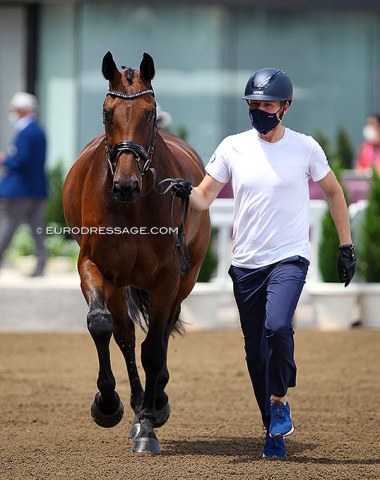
x=106, y=420
x=146, y=445
x=162, y=416
x=135, y=429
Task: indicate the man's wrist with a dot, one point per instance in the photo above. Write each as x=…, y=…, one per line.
x=345, y=245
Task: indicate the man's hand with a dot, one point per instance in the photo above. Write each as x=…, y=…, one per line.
x=346, y=263
x=182, y=187
x=2, y=157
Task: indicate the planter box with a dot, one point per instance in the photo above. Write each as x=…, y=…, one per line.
x=210, y=306
x=370, y=304
x=334, y=305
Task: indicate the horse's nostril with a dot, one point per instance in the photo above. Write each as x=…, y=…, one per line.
x=126, y=192
x=135, y=186
x=117, y=188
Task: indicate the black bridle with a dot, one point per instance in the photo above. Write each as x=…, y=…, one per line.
x=138, y=151
x=181, y=255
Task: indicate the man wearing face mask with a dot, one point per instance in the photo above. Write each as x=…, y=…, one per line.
x=23, y=188
x=369, y=152
x=269, y=167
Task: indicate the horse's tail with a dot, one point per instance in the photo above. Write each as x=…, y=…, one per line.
x=138, y=305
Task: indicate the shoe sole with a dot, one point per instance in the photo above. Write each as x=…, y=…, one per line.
x=278, y=435
x=274, y=457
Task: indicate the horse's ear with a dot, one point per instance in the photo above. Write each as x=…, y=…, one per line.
x=109, y=68
x=147, y=67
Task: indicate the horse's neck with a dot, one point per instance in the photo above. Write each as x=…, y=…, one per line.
x=164, y=160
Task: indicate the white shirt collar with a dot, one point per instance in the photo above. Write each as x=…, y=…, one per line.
x=24, y=122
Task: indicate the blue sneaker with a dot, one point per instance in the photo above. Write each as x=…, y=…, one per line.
x=280, y=420
x=274, y=447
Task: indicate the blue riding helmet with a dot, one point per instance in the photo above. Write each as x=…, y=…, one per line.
x=269, y=84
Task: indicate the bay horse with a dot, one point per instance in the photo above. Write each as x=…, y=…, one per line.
x=118, y=211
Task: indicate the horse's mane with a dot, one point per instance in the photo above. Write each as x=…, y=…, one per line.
x=130, y=75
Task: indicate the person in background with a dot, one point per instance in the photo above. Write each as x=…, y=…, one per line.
x=269, y=166
x=164, y=119
x=369, y=152
x=23, y=188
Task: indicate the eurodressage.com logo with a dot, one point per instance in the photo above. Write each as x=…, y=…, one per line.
x=107, y=230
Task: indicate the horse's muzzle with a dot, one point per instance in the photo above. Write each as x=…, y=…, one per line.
x=127, y=192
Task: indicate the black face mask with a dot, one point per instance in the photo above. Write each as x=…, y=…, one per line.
x=262, y=121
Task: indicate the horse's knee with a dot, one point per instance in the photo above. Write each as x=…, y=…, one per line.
x=100, y=324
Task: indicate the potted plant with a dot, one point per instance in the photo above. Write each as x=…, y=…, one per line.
x=369, y=256
x=333, y=303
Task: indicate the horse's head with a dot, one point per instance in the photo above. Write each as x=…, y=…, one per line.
x=129, y=115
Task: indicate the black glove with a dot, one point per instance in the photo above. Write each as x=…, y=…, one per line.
x=346, y=263
x=182, y=187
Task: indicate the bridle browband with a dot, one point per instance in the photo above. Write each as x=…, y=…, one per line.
x=129, y=145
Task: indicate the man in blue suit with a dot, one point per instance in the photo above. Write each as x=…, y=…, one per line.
x=23, y=188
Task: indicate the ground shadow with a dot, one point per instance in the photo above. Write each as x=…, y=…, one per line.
x=243, y=449
x=224, y=446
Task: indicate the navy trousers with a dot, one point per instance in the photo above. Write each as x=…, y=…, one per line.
x=266, y=299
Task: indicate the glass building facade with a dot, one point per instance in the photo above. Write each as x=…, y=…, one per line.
x=204, y=53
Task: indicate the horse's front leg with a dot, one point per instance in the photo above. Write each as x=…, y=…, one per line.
x=153, y=359
x=107, y=409
x=124, y=334
x=162, y=400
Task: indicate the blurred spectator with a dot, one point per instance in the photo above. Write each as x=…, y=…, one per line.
x=164, y=119
x=369, y=152
x=23, y=188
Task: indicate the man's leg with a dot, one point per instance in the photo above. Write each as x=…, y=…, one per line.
x=285, y=285
x=12, y=213
x=249, y=292
x=37, y=225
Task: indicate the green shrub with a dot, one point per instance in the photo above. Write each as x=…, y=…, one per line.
x=54, y=207
x=22, y=243
x=344, y=149
x=57, y=245
x=369, y=245
x=343, y=153
x=324, y=142
x=210, y=262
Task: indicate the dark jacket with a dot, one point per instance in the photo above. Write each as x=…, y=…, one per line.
x=25, y=165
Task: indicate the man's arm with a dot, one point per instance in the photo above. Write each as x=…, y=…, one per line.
x=205, y=193
x=339, y=213
x=338, y=207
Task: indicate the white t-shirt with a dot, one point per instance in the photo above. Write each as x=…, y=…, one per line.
x=270, y=185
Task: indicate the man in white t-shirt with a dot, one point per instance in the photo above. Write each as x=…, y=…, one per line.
x=269, y=167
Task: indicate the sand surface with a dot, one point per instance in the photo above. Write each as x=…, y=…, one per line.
x=48, y=382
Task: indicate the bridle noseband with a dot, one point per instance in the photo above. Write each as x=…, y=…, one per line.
x=129, y=145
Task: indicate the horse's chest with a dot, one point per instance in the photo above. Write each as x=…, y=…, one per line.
x=127, y=256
